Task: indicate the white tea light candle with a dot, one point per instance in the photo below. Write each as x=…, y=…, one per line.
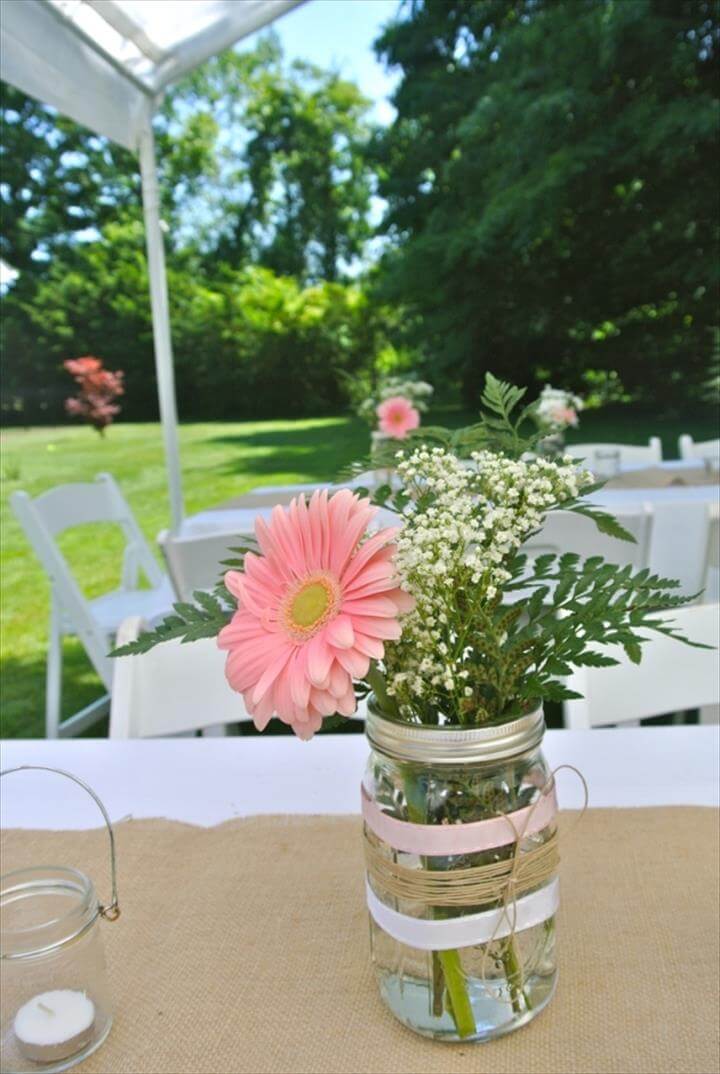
x=54, y=1025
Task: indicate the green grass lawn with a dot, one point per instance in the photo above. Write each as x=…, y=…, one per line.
x=219, y=460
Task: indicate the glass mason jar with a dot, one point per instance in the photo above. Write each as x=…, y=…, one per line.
x=461, y=852
x=552, y=445
x=382, y=474
x=54, y=998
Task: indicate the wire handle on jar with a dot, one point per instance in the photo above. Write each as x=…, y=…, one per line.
x=112, y=911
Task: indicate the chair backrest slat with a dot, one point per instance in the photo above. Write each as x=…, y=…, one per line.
x=566, y=531
x=711, y=571
x=672, y=676
x=196, y=562
x=65, y=590
x=172, y=689
x=627, y=454
x=698, y=449
x=77, y=505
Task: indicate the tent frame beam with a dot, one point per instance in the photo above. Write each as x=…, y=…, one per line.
x=164, y=367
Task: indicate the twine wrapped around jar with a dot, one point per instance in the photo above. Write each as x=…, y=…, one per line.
x=496, y=885
x=474, y=886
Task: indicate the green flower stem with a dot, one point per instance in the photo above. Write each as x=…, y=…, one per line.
x=513, y=973
x=438, y=985
x=446, y=964
x=456, y=984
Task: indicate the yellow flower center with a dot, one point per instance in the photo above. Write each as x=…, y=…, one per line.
x=310, y=604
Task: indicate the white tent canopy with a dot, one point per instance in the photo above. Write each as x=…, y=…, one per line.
x=106, y=64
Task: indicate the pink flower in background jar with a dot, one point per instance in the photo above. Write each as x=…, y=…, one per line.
x=397, y=417
x=564, y=415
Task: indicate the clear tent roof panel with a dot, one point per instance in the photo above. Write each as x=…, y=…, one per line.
x=105, y=62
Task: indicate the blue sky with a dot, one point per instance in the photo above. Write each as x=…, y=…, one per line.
x=340, y=34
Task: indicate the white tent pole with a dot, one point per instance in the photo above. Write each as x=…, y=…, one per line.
x=161, y=319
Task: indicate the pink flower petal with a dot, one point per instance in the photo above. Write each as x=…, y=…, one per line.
x=339, y=632
x=306, y=731
x=340, y=681
x=260, y=713
x=387, y=629
x=376, y=605
x=365, y=553
x=371, y=647
x=319, y=660
x=270, y=674
x=347, y=704
x=233, y=580
x=404, y=602
x=324, y=702
x=354, y=662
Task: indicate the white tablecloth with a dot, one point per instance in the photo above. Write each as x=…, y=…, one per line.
x=206, y=781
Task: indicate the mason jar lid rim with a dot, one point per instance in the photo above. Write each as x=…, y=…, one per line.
x=424, y=742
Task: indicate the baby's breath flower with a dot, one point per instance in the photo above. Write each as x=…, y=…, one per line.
x=453, y=555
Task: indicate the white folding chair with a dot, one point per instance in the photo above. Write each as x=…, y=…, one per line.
x=94, y=622
x=566, y=531
x=698, y=449
x=626, y=454
x=173, y=689
x=672, y=677
x=195, y=562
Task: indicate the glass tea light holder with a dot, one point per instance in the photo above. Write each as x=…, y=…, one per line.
x=55, y=1007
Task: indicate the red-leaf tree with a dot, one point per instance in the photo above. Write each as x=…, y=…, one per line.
x=98, y=390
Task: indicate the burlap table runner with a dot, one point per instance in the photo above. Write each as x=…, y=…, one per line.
x=655, y=477
x=243, y=949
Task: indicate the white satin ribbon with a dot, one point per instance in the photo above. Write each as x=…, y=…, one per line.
x=467, y=931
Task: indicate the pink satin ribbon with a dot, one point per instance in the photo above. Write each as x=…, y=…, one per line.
x=447, y=839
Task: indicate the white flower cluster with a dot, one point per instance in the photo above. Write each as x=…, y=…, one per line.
x=556, y=408
x=464, y=521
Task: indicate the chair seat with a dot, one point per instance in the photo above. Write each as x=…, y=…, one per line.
x=150, y=604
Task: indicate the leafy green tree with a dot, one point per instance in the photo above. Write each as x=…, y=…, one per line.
x=295, y=177
x=247, y=343
x=266, y=195
x=552, y=188
x=59, y=179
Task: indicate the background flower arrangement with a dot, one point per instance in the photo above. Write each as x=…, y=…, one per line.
x=557, y=409
x=418, y=394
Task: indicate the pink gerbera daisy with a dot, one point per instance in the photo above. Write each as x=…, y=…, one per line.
x=397, y=417
x=313, y=610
